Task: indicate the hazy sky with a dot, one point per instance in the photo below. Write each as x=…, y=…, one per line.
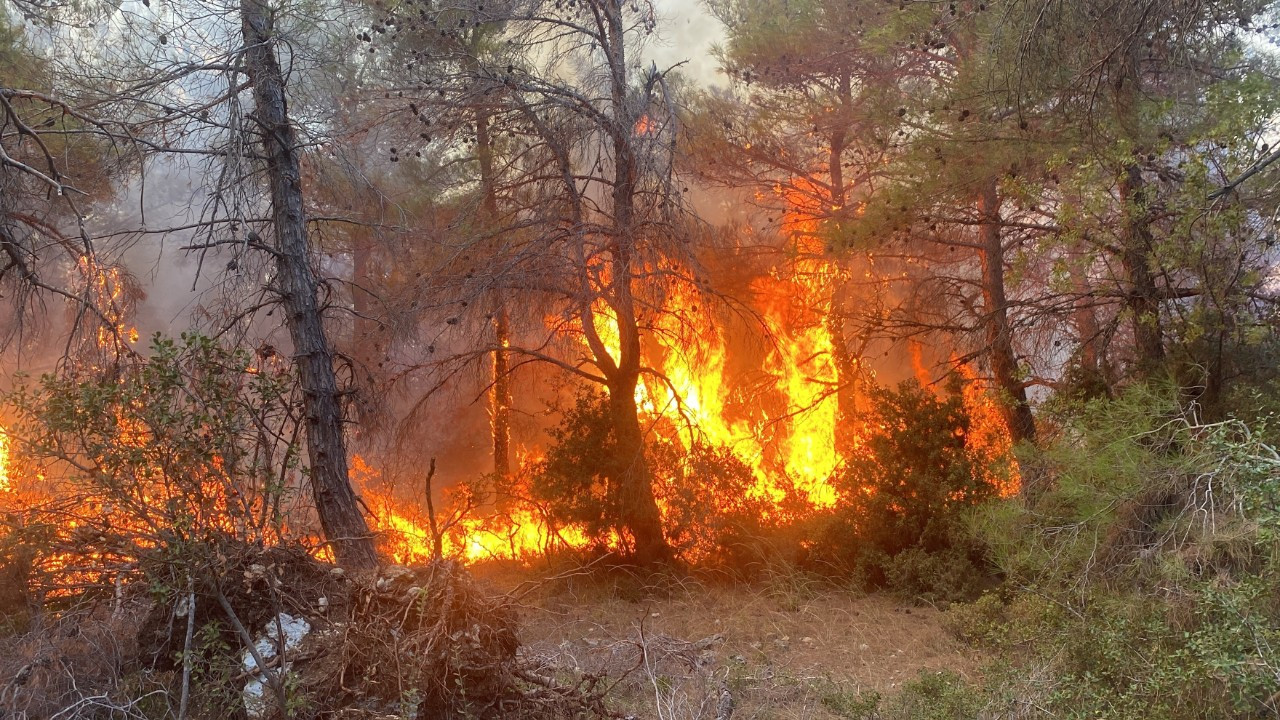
x=687, y=32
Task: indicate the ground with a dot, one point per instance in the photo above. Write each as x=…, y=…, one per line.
x=786, y=648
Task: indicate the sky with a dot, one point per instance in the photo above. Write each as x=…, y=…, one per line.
x=686, y=33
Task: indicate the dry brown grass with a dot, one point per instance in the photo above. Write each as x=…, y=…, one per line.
x=778, y=648
x=672, y=648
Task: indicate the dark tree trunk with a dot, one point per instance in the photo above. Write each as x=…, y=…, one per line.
x=999, y=335
x=1143, y=295
x=847, y=383
x=639, y=508
x=845, y=362
x=1143, y=299
x=1088, y=330
x=1091, y=358
x=340, y=517
x=500, y=394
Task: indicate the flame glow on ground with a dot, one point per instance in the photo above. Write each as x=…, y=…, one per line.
x=5, y=484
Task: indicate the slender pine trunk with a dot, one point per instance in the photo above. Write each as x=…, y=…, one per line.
x=639, y=507
x=500, y=393
x=999, y=334
x=344, y=527
x=1143, y=297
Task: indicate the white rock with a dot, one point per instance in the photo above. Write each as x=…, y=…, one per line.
x=257, y=697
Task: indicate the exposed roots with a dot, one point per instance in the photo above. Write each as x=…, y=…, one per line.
x=425, y=642
x=430, y=640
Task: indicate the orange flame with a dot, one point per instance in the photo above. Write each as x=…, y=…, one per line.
x=645, y=126
x=989, y=441
x=107, y=291
x=6, y=484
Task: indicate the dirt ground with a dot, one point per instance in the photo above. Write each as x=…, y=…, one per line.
x=787, y=648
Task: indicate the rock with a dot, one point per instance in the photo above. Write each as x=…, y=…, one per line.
x=257, y=695
x=394, y=578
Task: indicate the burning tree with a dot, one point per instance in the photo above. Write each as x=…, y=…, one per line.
x=179, y=87
x=56, y=158
x=580, y=219
x=798, y=136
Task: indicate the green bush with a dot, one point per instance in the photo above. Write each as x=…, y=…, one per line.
x=575, y=479
x=932, y=695
x=899, y=520
x=940, y=695
x=703, y=493
x=1144, y=581
x=152, y=462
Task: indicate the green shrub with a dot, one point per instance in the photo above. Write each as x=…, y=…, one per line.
x=1144, y=581
x=936, y=695
x=903, y=498
x=575, y=479
x=861, y=705
x=150, y=463
x=703, y=492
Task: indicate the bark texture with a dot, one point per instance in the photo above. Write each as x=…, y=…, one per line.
x=639, y=507
x=1144, y=295
x=344, y=527
x=500, y=394
x=999, y=334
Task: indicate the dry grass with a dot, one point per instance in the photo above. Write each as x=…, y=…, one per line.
x=779, y=648
x=671, y=648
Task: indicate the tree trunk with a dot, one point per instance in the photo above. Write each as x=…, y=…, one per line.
x=846, y=364
x=344, y=527
x=999, y=335
x=1091, y=352
x=638, y=507
x=1144, y=296
x=501, y=408
x=500, y=394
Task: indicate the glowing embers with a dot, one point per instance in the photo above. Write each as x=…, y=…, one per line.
x=111, y=297
x=6, y=485
x=511, y=531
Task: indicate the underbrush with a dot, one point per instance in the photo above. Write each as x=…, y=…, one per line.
x=1144, y=579
x=1139, y=573
x=932, y=695
x=899, y=520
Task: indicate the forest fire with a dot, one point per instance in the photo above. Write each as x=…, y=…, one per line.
x=778, y=359
x=409, y=534
x=786, y=425
x=108, y=288
x=789, y=429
